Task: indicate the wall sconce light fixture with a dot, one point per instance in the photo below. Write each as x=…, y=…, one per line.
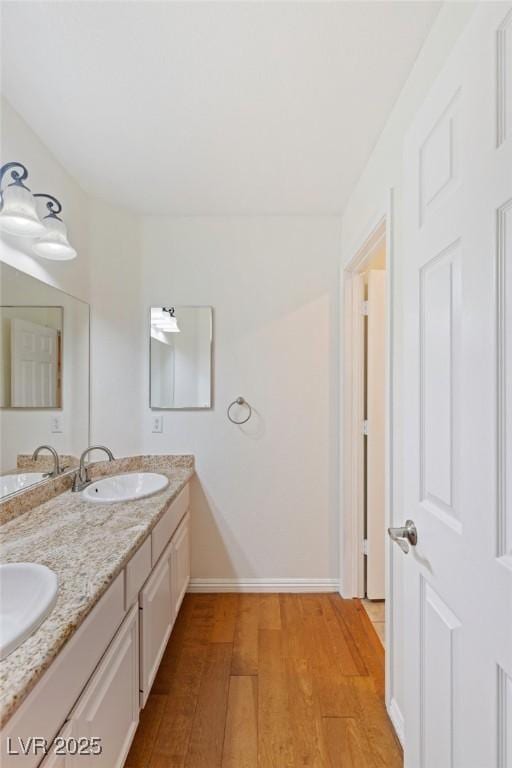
x=19, y=216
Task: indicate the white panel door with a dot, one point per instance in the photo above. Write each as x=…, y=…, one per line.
x=376, y=439
x=34, y=365
x=458, y=425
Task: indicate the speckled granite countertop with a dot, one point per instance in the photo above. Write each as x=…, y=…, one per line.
x=87, y=545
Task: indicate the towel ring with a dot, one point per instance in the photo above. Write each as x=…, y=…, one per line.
x=239, y=401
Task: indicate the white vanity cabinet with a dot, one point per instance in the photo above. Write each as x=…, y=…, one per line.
x=167, y=526
x=108, y=709
x=156, y=620
x=160, y=600
x=101, y=726
x=98, y=682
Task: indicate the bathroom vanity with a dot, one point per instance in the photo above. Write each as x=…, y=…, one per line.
x=79, y=682
x=72, y=688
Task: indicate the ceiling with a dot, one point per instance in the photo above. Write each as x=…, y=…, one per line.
x=215, y=107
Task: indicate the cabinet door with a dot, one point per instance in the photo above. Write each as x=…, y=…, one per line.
x=157, y=618
x=58, y=760
x=108, y=709
x=180, y=559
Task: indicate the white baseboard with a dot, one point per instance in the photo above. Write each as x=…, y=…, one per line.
x=263, y=585
x=396, y=717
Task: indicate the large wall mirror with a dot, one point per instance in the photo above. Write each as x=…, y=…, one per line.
x=44, y=374
x=181, y=357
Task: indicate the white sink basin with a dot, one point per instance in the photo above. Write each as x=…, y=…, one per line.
x=134, y=485
x=18, y=481
x=28, y=592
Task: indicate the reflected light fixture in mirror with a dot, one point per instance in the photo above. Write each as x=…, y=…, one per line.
x=164, y=319
x=19, y=216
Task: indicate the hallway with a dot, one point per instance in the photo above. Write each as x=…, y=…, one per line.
x=270, y=681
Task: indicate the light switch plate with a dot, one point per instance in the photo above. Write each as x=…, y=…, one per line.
x=56, y=425
x=158, y=423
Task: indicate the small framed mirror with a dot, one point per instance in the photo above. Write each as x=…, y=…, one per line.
x=180, y=365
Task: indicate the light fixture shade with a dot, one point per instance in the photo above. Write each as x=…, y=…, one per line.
x=54, y=243
x=171, y=327
x=157, y=315
x=19, y=215
x=163, y=320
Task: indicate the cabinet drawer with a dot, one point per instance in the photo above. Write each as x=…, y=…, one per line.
x=156, y=621
x=47, y=707
x=108, y=709
x=136, y=573
x=165, y=527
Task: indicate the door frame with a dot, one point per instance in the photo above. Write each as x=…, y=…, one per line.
x=352, y=392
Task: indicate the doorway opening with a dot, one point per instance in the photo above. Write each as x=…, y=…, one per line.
x=373, y=310
x=366, y=429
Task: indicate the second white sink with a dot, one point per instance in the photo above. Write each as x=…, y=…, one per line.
x=128, y=487
x=28, y=592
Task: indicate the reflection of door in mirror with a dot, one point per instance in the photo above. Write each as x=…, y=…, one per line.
x=31, y=356
x=34, y=365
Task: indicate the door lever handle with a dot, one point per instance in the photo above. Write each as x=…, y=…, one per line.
x=404, y=536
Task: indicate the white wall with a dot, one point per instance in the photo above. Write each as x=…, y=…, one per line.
x=265, y=505
x=119, y=358
x=20, y=143
x=383, y=172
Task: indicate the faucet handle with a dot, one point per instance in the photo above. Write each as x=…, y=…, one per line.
x=76, y=481
x=80, y=479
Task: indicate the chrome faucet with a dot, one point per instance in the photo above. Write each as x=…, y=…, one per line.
x=81, y=479
x=56, y=464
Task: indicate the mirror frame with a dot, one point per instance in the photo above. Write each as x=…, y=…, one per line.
x=212, y=346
